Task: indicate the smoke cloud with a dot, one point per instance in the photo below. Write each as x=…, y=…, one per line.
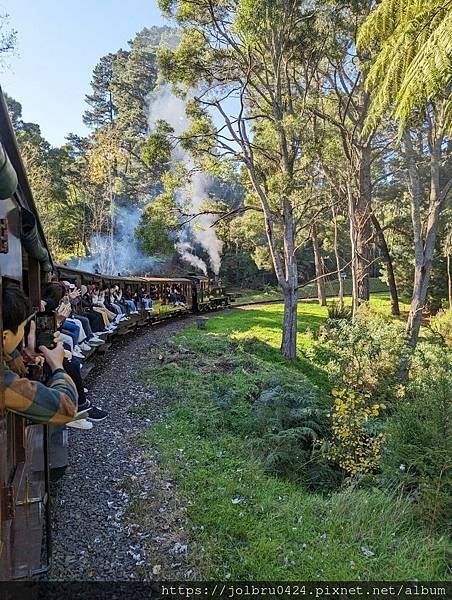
x=120, y=253
x=164, y=105
x=186, y=251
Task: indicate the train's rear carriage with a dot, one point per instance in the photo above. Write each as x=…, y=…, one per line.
x=25, y=260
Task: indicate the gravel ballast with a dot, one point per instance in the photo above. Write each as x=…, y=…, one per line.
x=110, y=473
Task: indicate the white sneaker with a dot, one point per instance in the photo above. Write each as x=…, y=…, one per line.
x=94, y=342
x=84, y=346
x=78, y=353
x=99, y=333
x=80, y=424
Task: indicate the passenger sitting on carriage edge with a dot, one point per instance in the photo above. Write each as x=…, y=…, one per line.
x=146, y=300
x=55, y=294
x=53, y=403
x=128, y=299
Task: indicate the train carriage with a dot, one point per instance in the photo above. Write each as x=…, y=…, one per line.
x=24, y=484
x=31, y=454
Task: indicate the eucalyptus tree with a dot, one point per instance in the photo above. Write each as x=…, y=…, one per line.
x=411, y=76
x=250, y=63
x=347, y=151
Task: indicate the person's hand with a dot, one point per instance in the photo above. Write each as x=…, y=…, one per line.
x=31, y=339
x=43, y=305
x=75, y=294
x=62, y=312
x=55, y=357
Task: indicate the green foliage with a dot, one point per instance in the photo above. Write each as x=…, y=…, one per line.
x=156, y=152
x=418, y=447
x=249, y=524
x=157, y=226
x=441, y=326
x=367, y=355
x=335, y=312
x=413, y=64
x=290, y=422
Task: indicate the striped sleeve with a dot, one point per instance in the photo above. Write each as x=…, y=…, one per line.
x=55, y=403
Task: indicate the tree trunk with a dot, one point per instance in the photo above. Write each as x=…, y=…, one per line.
x=319, y=271
x=340, y=279
x=289, y=285
x=449, y=281
x=362, y=214
x=353, y=261
x=395, y=309
x=424, y=238
x=289, y=334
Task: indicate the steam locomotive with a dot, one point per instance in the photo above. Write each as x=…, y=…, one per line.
x=29, y=453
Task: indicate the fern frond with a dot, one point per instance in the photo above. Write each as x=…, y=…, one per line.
x=413, y=64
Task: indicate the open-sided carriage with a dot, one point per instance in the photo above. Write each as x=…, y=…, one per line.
x=24, y=484
x=32, y=455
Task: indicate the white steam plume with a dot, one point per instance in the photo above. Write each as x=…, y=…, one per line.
x=164, y=105
x=120, y=253
x=186, y=252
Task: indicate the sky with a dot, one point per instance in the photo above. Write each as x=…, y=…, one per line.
x=59, y=42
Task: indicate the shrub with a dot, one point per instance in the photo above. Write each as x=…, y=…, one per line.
x=367, y=356
x=289, y=423
x=441, y=326
x=418, y=449
x=336, y=313
x=354, y=446
x=364, y=365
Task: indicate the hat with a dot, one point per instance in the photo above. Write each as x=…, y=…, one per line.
x=72, y=286
x=66, y=284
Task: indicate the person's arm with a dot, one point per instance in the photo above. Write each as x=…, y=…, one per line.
x=54, y=403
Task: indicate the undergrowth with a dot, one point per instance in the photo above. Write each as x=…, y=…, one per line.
x=239, y=439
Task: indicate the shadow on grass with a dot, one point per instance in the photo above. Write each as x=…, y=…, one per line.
x=258, y=333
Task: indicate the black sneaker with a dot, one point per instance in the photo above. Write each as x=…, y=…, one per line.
x=96, y=415
x=83, y=407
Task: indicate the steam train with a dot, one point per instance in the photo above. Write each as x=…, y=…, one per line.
x=31, y=454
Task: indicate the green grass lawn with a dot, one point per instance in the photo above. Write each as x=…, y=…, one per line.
x=246, y=523
x=306, y=292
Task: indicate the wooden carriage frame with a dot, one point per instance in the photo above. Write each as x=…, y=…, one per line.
x=24, y=474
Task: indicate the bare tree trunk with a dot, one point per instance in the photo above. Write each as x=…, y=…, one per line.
x=340, y=279
x=395, y=309
x=319, y=271
x=289, y=336
x=424, y=237
x=449, y=280
x=362, y=214
x=353, y=243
